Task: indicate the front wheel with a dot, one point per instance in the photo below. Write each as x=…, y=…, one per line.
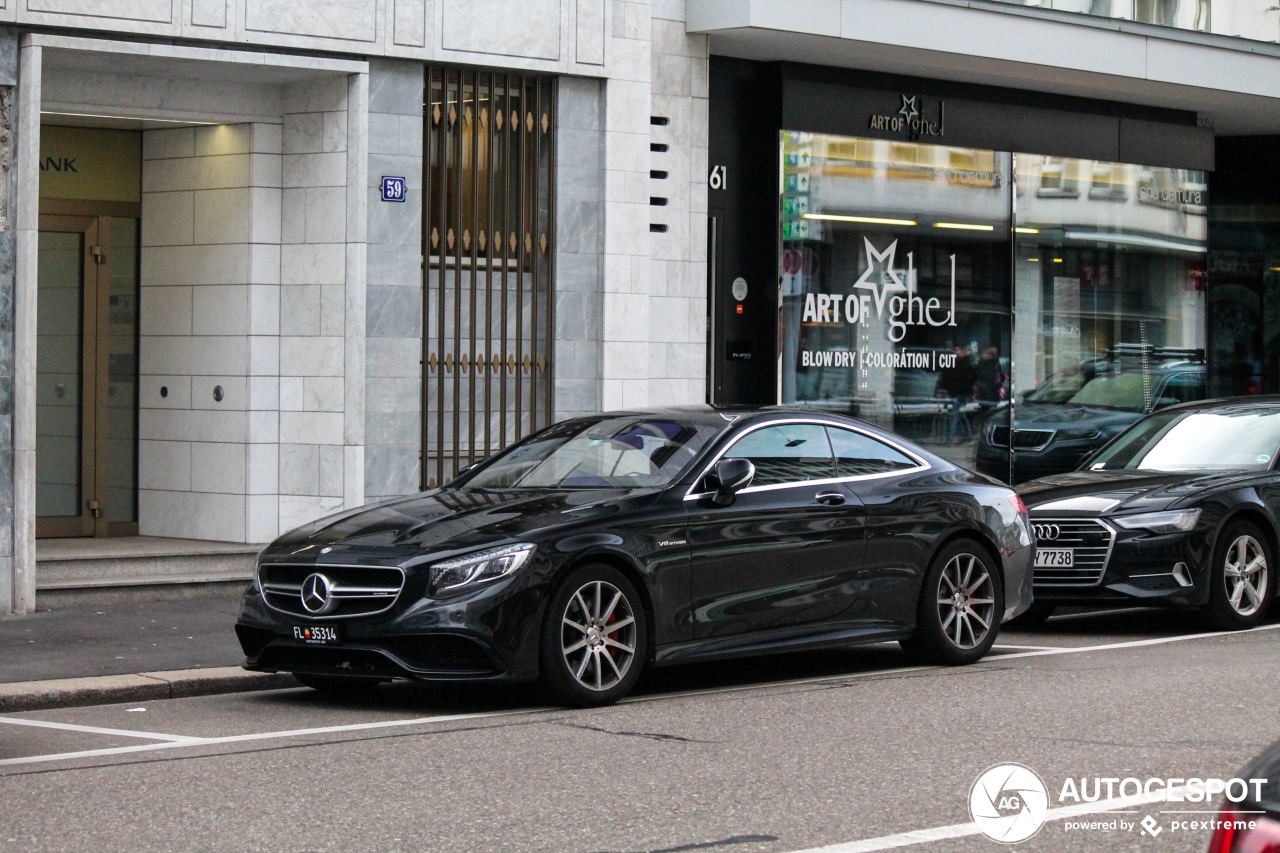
x=1240, y=579
x=593, y=639
x=960, y=607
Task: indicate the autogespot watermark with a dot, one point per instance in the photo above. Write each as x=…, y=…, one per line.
x=1010, y=803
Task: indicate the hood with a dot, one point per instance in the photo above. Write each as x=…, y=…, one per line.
x=1104, y=492
x=1055, y=416
x=455, y=518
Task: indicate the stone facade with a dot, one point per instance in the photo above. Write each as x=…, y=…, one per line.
x=281, y=298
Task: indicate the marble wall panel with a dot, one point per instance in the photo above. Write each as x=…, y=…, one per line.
x=528, y=28
x=341, y=20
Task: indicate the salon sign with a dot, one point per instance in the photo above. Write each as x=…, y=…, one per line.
x=883, y=297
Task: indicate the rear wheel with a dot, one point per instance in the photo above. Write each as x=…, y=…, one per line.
x=593, y=639
x=1241, y=582
x=338, y=685
x=959, y=611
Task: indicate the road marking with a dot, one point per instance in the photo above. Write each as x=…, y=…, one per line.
x=448, y=718
x=962, y=830
x=208, y=741
x=95, y=730
x=1133, y=644
x=1033, y=648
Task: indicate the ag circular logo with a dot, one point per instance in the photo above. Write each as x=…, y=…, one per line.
x=1008, y=803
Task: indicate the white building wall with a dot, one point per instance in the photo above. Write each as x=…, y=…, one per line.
x=210, y=203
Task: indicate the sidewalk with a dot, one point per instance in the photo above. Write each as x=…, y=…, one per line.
x=124, y=652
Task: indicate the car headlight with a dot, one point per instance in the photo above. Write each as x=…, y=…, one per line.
x=1161, y=522
x=478, y=568
x=1080, y=434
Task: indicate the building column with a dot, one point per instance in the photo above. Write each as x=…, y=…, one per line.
x=19, y=238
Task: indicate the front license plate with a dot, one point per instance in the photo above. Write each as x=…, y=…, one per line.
x=316, y=635
x=1057, y=558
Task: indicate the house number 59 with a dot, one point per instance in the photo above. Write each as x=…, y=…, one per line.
x=719, y=178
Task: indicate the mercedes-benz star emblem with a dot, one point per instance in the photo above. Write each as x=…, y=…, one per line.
x=317, y=594
x=1047, y=532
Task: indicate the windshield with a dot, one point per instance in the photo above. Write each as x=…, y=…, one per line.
x=1244, y=438
x=592, y=453
x=1102, y=384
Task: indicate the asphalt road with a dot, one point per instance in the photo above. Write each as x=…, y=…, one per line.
x=790, y=754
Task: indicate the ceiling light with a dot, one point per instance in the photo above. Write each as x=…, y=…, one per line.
x=964, y=226
x=1026, y=231
x=869, y=220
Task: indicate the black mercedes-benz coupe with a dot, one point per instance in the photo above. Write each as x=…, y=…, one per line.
x=605, y=544
x=1181, y=509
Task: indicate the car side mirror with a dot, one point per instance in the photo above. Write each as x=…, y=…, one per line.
x=733, y=475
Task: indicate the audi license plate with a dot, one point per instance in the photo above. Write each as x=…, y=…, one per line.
x=316, y=635
x=1056, y=558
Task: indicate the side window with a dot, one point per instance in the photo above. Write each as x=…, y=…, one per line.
x=858, y=454
x=786, y=453
x=1184, y=387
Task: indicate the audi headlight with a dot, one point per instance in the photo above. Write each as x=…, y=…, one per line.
x=478, y=568
x=1175, y=521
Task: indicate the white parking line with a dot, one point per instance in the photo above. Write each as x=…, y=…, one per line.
x=448, y=718
x=207, y=741
x=961, y=830
x=70, y=727
x=1029, y=648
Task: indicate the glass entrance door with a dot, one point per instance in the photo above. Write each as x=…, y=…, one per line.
x=86, y=376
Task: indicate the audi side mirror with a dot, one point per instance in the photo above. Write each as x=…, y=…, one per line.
x=733, y=475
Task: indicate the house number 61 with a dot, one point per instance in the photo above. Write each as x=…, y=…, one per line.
x=719, y=178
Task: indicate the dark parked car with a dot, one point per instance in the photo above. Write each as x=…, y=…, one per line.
x=1253, y=825
x=605, y=544
x=1181, y=509
x=1078, y=410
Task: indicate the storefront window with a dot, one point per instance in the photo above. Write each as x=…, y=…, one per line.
x=901, y=263
x=895, y=285
x=1110, y=297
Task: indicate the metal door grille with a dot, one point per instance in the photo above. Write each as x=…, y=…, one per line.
x=487, y=228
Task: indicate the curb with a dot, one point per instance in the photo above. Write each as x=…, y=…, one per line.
x=142, y=687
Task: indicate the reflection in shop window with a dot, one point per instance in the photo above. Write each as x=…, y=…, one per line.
x=1057, y=177
x=895, y=276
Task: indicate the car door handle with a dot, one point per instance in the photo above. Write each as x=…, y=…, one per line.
x=830, y=498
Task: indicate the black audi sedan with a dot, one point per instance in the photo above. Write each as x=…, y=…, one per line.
x=1181, y=509
x=605, y=544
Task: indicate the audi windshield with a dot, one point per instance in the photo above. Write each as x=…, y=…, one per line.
x=1244, y=438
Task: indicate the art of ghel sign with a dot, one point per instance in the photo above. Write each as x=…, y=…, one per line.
x=888, y=299
x=910, y=120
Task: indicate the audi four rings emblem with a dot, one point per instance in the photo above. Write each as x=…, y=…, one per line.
x=1046, y=532
x=317, y=594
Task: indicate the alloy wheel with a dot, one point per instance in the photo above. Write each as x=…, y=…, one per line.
x=1245, y=568
x=598, y=635
x=966, y=601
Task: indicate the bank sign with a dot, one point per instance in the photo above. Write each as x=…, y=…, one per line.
x=881, y=294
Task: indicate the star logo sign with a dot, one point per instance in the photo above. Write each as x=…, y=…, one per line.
x=910, y=110
x=317, y=594
x=886, y=279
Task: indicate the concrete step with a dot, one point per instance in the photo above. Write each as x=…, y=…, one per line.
x=82, y=572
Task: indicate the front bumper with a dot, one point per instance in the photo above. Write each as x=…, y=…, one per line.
x=1139, y=567
x=490, y=635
